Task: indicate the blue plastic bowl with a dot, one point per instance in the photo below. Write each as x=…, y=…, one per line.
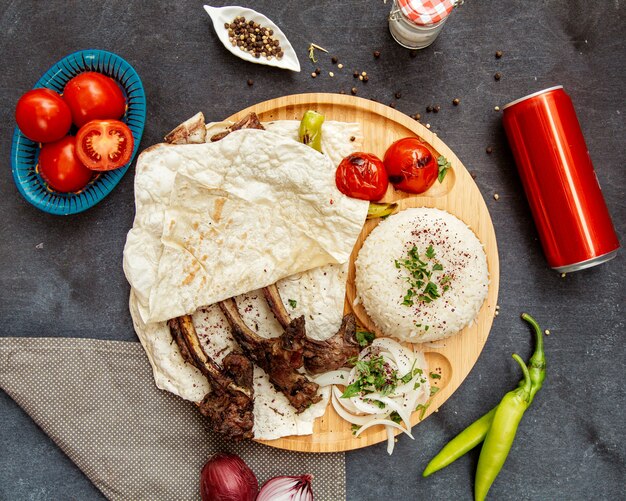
x=25, y=153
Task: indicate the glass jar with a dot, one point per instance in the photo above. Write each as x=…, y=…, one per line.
x=411, y=21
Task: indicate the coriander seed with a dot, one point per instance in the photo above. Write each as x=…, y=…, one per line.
x=340, y=66
x=354, y=91
x=496, y=196
x=497, y=76
x=376, y=54
x=499, y=54
x=456, y=101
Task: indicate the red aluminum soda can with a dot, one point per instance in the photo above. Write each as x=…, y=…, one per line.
x=573, y=221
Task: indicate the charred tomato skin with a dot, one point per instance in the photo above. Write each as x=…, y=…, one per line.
x=363, y=176
x=411, y=165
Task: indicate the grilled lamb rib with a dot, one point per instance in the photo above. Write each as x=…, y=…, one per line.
x=229, y=404
x=319, y=356
x=279, y=357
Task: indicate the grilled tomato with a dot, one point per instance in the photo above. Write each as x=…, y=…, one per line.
x=410, y=165
x=363, y=176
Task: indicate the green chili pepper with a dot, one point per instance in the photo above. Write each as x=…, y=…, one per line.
x=310, y=132
x=380, y=210
x=475, y=433
x=500, y=436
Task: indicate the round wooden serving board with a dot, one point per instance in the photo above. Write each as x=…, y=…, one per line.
x=458, y=194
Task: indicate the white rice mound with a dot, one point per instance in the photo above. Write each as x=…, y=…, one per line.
x=381, y=286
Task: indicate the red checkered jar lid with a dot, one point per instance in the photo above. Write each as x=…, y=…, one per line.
x=426, y=11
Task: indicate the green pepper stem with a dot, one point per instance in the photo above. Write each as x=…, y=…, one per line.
x=538, y=358
x=527, y=382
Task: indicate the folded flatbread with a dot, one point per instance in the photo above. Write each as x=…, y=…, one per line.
x=223, y=219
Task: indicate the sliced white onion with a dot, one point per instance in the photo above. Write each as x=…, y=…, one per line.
x=386, y=422
x=360, y=409
x=391, y=440
x=340, y=376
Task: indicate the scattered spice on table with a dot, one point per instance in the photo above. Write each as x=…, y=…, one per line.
x=313, y=75
x=355, y=74
x=253, y=38
x=331, y=74
x=318, y=71
x=499, y=54
x=417, y=117
x=340, y=66
x=376, y=54
x=489, y=150
x=398, y=95
x=547, y=332
x=250, y=82
x=392, y=104
x=429, y=109
x=496, y=196
x=563, y=275
x=428, y=126
x=473, y=174
x=312, y=49
x=413, y=53
x=334, y=59
x=436, y=109
x=365, y=78
x=496, y=108
x=456, y=101
x=497, y=76
x=354, y=91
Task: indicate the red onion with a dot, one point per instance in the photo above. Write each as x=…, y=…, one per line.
x=287, y=489
x=225, y=477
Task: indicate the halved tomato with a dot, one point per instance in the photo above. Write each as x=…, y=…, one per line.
x=104, y=144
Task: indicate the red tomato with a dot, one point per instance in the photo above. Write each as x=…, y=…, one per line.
x=362, y=175
x=411, y=166
x=43, y=116
x=104, y=144
x=60, y=167
x=93, y=96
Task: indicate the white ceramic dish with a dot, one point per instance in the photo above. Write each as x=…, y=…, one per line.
x=221, y=15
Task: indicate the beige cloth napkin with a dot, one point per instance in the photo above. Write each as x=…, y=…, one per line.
x=98, y=402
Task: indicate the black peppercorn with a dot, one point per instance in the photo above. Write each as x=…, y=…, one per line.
x=250, y=82
x=355, y=74
x=497, y=76
x=354, y=91
x=489, y=150
x=413, y=53
x=392, y=104
x=456, y=101
x=334, y=59
x=429, y=109
x=499, y=54
x=397, y=95
x=436, y=108
x=376, y=54
x=366, y=78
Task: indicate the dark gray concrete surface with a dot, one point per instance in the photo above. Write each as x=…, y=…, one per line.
x=570, y=445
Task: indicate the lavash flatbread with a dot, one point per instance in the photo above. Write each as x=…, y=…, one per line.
x=317, y=293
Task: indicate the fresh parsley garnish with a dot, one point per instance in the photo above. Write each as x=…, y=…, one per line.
x=434, y=375
x=433, y=390
x=422, y=408
x=292, y=302
x=355, y=428
x=443, y=165
x=364, y=338
x=395, y=417
x=420, y=273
